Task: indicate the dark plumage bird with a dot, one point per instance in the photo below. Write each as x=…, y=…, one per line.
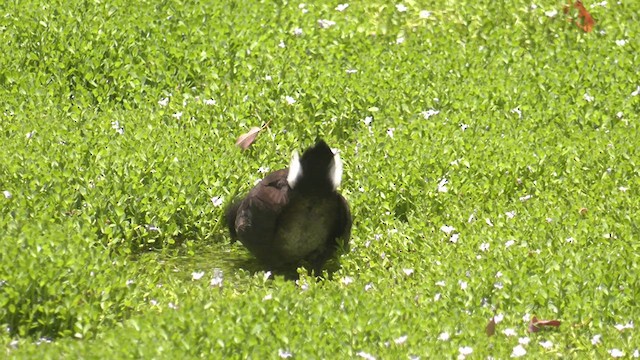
x=295, y=215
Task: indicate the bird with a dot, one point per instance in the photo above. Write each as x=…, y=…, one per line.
x=295, y=216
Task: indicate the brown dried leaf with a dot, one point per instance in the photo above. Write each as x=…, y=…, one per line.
x=536, y=325
x=491, y=327
x=245, y=140
x=584, y=21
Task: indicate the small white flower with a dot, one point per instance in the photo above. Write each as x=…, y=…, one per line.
x=390, y=132
x=282, y=45
x=197, y=275
x=454, y=238
x=153, y=302
x=367, y=120
x=595, y=340
x=464, y=126
x=570, y=240
x=509, y=243
x=346, y=280
x=498, y=318
x=263, y=169
x=351, y=71
x=30, y=134
x=551, y=13
x=619, y=114
x=498, y=285
x=284, y=354
x=546, y=344
x=424, y=14
x=217, y=279
x=615, y=353
x=498, y=274
x=217, y=201
x=116, y=126
x=429, y=113
x=509, y=332
x=407, y=272
x=526, y=317
x=510, y=214
x=636, y=92
x=342, y=7
x=525, y=198
x=517, y=110
x=401, y=8
x=518, y=351
x=172, y=306
x=465, y=350
x=636, y=354
x=325, y=24
x=549, y=220
x=471, y=218
x=289, y=100
x=368, y=287
x=524, y=340
x=267, y=297
x=463, y=284
x=401, y=340
x=444, y=336
x=297, y=32
x=177, y=115
x=621, y=327
x=437, y=297
x=7, y=194
x=447, y=229
x=601, y=4
x=488, y=221
x=484, y=246
x=266, y=276
x=164, y=102
x=588, y=98
x=303, y=285
x=442, y=185
x=623, y=188
x=440, y=283
x=267, y=77
x=621, y=42
x=365, y=355
x=210, y=102
x=400, y=40
x=129, y=282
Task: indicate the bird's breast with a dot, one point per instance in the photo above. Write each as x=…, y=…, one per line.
x=306, y=225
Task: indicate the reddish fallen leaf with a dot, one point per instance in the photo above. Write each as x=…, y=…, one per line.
x=245, y=140
x=491, y=327
x=585, y=21
x=536, y=325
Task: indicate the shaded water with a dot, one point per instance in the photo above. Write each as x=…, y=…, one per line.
x=230, y=258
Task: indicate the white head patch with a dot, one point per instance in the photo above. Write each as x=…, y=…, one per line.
x=295, y=170
x=335, y=170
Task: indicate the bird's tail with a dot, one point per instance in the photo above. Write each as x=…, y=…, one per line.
x=230, y=215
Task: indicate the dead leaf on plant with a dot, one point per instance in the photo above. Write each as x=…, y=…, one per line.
x=536, y=325
x=245, y=140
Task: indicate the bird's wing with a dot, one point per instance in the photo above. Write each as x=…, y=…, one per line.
x=258, y=212
x=342, y=231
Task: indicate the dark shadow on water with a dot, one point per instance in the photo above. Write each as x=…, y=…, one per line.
x=231, y=258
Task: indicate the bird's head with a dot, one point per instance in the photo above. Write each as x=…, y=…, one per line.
x=319, y=170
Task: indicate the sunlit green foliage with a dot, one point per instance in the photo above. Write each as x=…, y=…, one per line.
x=491, y=163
